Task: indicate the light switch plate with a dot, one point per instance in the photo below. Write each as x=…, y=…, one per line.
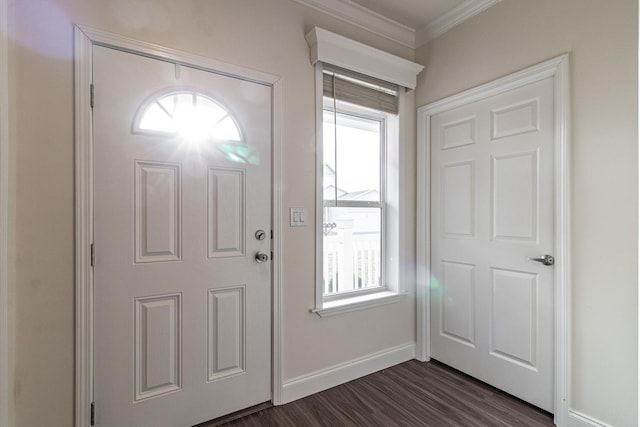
x=298, y=217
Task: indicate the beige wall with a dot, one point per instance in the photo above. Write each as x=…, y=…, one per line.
x=263, y=35
x=268, y=36
x=601, y=37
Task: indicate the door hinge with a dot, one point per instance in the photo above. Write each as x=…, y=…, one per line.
x=91, y=95
x=271, y=234
x=93, y=254
x=271, y=255
x=93, y=413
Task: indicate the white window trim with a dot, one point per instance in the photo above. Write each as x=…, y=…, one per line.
x=343, y=52
x=327, y=47
x=385, y=120
x=393, y=289
x=359, y=302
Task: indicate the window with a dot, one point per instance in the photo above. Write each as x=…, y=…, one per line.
x=359, y=188
x=191, y=115
x=197, y=120
x=353, y=205
x=358, y=195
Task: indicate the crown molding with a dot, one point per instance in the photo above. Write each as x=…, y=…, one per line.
x=360, y=16
x=452, y=18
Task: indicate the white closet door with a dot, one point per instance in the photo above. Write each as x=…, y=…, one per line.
x=492, y=195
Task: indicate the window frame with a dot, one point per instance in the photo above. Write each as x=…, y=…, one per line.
x=382, y=118
x=392, y=289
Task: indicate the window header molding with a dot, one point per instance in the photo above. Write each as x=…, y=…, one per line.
x=334, y=49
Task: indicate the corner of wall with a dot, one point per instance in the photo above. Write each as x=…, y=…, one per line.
x=6, y=314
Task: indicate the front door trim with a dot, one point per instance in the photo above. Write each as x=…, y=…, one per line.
x=558, y=69
x=85, y=38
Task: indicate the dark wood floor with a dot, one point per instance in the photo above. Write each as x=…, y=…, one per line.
x=409, y=394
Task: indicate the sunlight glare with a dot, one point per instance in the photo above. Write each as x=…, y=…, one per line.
x=193, y=117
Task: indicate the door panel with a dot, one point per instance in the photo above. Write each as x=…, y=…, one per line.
x=514, y=193
x=492, y=209
x=458, y=205
x=514, y=296
x=458, y=302
x=225, y=333
x=157, y=211
x=158, y=334
x=227, y=206
x=182, y=309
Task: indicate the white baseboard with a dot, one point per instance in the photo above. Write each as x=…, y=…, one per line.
x=324, y=379
x=576, y=419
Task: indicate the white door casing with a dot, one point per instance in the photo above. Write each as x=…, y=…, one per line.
x=172, y=310
x=465, y=143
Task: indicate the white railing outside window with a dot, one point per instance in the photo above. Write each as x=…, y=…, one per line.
x=357, y=256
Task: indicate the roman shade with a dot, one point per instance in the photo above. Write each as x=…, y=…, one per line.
x=358, y=89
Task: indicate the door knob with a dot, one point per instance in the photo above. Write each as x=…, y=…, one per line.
x=545, y=259
x=262, y=257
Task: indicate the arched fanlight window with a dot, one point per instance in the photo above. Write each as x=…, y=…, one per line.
x=187, y=114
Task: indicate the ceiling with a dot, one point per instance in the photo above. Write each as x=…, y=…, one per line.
x=411, y=23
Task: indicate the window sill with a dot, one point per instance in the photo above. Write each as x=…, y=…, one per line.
x=347, y=305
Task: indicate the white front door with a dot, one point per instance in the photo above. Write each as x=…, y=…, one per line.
x=492, y=195
x=182, y=179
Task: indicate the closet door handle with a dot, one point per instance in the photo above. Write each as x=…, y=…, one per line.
x=545, y=259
